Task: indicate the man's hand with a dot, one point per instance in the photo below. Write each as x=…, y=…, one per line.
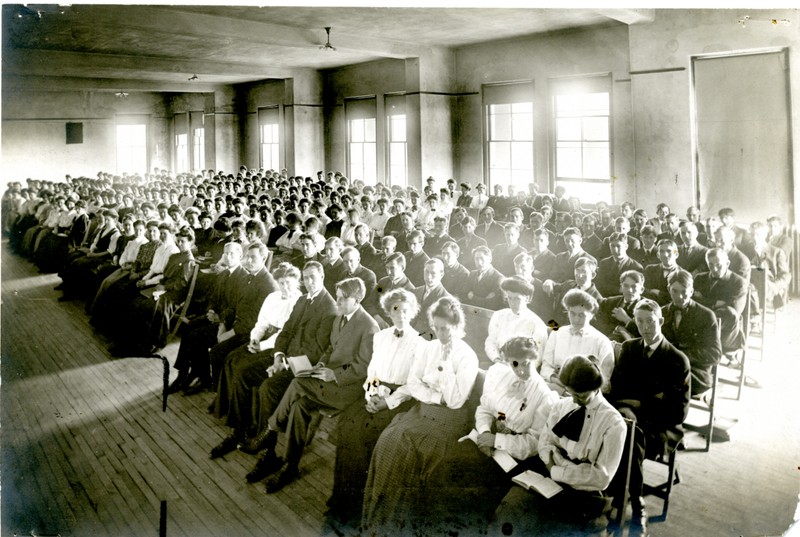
x=212, y=316
x=325, y=374
x=620, y=315
x=141, y=284
x=252, y=347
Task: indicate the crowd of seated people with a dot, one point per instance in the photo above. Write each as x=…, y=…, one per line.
x=326, y=295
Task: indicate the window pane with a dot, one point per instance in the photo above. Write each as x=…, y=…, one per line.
x=499, y=155
x=568, y=105
x=595, y=128
x=587, y=191
x=499, y=108
x=500, y=127
x=522, y=108
x=522, y=155
x=356, y=130
x=568, y=129
x=568, y=159
x=522, y=126
x=397, y=132
x=596, y=104
x=369, y=130
x=595, y=160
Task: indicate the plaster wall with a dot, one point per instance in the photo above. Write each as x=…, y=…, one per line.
x=664, y=150
x=34, y=133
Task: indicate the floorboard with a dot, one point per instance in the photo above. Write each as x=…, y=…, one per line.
x=86, y=449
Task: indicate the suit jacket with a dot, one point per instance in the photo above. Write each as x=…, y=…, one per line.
x=731, y=289
x=467, y=244
x=333, y=273
x=370, y=257
x=655, y=283
x=634, y=245
x=433, y=245
x=608, y=272
x=693, y=259
x=605, y=320
x=483, y=287
x=368, y=277
x=493, y=236
x=393, y=226
x=644, y=257
x=661, y=383
x=455, y=278
x=543, y=264
x=334, y=229
x=503, y=257
x=564, y=265
x=775, y=262
x=308, y=329
x=420, y=322
x=558, y=313
x=252, y=289
x=697, y=338
x=595, y=246
x=350, y=348
x=740, y=264
x=464, y=200
x=415, y=267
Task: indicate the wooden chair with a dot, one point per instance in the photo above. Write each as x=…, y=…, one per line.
x=618, y=523
x=179, y=315
x=477, y=328
x=663, y=489
x=706, y=429
x=740, y=356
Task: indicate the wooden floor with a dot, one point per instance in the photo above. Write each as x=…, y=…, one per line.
x=86, y=449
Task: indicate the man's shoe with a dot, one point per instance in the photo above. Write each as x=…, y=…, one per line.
x=226, y=446
x=178, y=385
x=260, y=442
x=267, y=465
x=212, y=407
x=193, y=388
x=638, y=527
x=287, y=474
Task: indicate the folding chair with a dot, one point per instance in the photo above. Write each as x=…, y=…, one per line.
x=182, y=310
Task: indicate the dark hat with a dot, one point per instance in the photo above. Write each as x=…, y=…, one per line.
x=581, y=374
x=111, y=212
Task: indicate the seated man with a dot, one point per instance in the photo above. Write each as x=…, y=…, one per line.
x=616, y=312
x=580, y=454
x=691, y=254
x=489, y=230
x=657, y=276
x=437, y=237
x=455, y=274
x=623, y=226
x=396, y=279
x=564, y=264
x=505, y=253
x=773, y=260
x=427, y=295
x=352, y=268
x=416, y=257
x=370, y=257
x=650, y=384
x=610, y=268
x=692, y=328
x=334, y=385
x=469, y=242
x=308, y=251
x=332, y=263
x=725, y=293
x=724, y=238
x=648, y=253
x=483, y=284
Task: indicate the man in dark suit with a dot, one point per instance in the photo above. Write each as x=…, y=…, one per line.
x=333, y=386
x=543, y=259
x=437, y=238
x=469, y=242
x=393, y=224
x=592, y=243
x=483, y=285
x=691, y=254
x=427, y=294
x=504, y=254
x=464, y=200
x=564, y=264
x=648, y=253
x=725, y=237
x=622, y=225
x=725, y=293
x=352, y=268
x=488, y=229
x=773, y=260
x=308, y=251
x=455, y=274
x=656, y=276
x=370, y=257
x=395, y=267
x=610, y=268
x=650, y=384
x=616, y=312
x=416, y=257
x=693, y=329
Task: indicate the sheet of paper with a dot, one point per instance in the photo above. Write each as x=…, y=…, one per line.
x=506, y=461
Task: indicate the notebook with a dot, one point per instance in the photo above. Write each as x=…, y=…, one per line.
x=536, y=481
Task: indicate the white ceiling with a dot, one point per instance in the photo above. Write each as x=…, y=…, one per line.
x=157, y=48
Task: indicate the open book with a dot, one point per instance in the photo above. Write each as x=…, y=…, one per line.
x=536, y=481
x=501, y=457
x=300, y=365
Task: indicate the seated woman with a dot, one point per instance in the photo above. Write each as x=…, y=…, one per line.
x=360, y=425
x=510, y=418
x=579, y=453
x=584, y=273
x=516, y=320
x=578, y=337
x=416, y=442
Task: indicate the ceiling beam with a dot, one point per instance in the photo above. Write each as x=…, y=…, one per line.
x=629, y=16
x=63, y=63
x=58, y=83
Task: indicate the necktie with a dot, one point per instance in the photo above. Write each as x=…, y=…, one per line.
x=570, y=426
x=678, y=316
x=398, y=332
x=576, y=332
x=342, y=323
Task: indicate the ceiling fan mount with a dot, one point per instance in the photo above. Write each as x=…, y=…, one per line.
x=327, y=45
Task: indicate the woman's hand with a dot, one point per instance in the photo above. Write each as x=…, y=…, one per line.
x=376, y=404
x=485, y=443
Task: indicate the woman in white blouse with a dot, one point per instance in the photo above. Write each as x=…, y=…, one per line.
x=360, y=425
x=578, y=337
x=416, y=442
x=508, y=422
x=516, y=320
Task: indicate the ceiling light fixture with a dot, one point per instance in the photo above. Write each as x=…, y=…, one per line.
x=121, y=94
x=193, y=78
x=327, y=46
x=774, y=22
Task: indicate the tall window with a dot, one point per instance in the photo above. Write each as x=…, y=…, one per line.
x=269, y=138
x=509, y=128
x=361, y=140
x=582, y=119
x=132, y=148
x=397, y=161
x=181, y=126
x=198, y=140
